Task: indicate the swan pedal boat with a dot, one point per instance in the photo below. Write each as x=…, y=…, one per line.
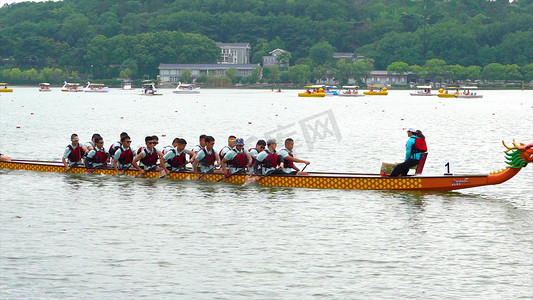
x=5, y=89
x=517, y=157
x=382, y=92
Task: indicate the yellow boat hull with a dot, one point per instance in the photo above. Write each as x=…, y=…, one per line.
x=444, y=95
x=6, y=90
x=376, y=93
x=311, y=94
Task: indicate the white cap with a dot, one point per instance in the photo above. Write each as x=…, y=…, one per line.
x=412, y=129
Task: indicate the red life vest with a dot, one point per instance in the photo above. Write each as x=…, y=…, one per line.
x=75, y=153
x=288, y=163
x=114, y=148
x=271, y=161
x=149, y=159
x=209, y=159
x=126, y=156
x=179, y=161
x=419, y=145
x=239, y=161
x=99, y=157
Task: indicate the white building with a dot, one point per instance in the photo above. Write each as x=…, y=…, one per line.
x=272, y=59
x=234, y=53
x=171, y=73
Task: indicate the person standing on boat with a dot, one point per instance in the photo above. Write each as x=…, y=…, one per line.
x=199, y=147
x=123, y=156
x=268, y=161
x=207, y=159
x=287, y=165
x=73, y=153
x=237, y=159
x=97, y=157
x=146, y=159
x=416, y=145
x=174, y=159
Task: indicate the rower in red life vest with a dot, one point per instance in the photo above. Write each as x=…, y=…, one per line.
x=267, y=161
x=207, y=159
x=123, y=156
x=90, y=145
x=416, y=145
x=237, y=159
x=97, y=157
x=116, y=145
x=174, y=159
x=225, y=149
x=287, y=166
x=201, y=144
x=146, y=159
x=73, y=153
x=259, y=147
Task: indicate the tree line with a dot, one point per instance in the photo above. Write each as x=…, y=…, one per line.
x=102, y=38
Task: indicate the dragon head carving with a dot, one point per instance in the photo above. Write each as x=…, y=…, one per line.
x=519, y=155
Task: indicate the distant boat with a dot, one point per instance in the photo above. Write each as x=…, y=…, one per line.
x=380, y=92
x=70, y=87
x=313, y=91
x=331, y=90
x=126, y=85
x=4, y=88
x=423, y=90
x=44, y=87
x=446, y=93
x=350, y=91
x=95, y=88
x=149, y=88
x=467, y=92
x=184, y=88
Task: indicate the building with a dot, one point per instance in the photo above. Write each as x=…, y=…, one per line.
x=272, y=59
x=171, y=73
x=234, y=53
x=347, y=55
x=381, y=77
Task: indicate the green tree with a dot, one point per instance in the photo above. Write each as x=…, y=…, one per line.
x=512, y=72
x=527, y=72
x=271, y=73
x=321, y=52
x=493, y=71
x=299, y=74
x=186, y=76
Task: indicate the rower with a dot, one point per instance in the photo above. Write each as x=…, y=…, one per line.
x=267, y=161
x=123, y=156
x=116, y=145
x=259, y=146
x=90, y=145
x=225, y=149
x=175, y=159
x=97, y=157
x=207, y=159
x=237, y=159
x=147, y=156
x=287, y=165
x=201, y=145
x=73, y=153
x=4, y=157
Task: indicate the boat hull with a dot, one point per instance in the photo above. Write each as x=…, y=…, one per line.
x=376, y=93
x=469, y=96
x=444, y=95
x=311, y=94
x=351, y=95
x=6, y=90
x=348, y=181
x=422, y=94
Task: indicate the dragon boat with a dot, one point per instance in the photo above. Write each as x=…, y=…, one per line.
x=517, y=157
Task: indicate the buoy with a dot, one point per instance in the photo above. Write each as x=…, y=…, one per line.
x=249, y=122
x=31, y=113
x=18, y=126
x=122, y=117
x=175, y=111
x=163, y=135
x=401, y=119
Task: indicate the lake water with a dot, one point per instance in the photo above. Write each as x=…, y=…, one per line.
x=101, y=237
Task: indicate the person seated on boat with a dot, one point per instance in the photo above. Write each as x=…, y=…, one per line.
x=267, y=161
x=4, y=157
x=225, y=149
x=116, y=145
x=146, y=158
x=416, y=145
x=287, y=165
x=123, y=156
x=308, y=91
x=201, y=145
x=73, y=154
x=90, y=145
x=207, y=159
x=174, y=159
x=97, y=157
x=259, y=146
x=237, y=159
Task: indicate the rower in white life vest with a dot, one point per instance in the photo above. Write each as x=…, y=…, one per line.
x=123, y=156
x=259, y=147
x=174, y=159
x=73, y=153
x=97, y=157
x=207, y=159
x=90, y=145
x=268, y=160
x=116, y=145
x=237, y=159
x=146, y=159
x=287, y=166
x=228, y=147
